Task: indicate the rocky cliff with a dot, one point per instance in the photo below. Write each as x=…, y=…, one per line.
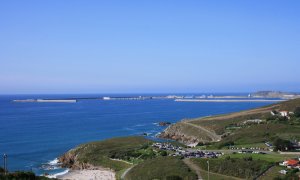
x=188, y=133
x=70, y=160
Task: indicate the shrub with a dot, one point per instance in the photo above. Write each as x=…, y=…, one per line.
x=163, y=153
x=297, y=112
x=282, y=145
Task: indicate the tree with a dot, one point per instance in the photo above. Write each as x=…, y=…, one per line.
x=297, y=112
x=282, y=145
x=163, y=153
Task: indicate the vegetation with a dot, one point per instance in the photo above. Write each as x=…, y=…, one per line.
x=108, y=153
x=163, y=168
x=216, y=176
x=235, y=132
x=297, y=112
x=272, y=158
x=282, y=145
x=21, y=175
x=292, y=174
x=237, y=167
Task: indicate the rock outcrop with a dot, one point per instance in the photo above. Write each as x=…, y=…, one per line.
x=188, y=133
x=70, y=160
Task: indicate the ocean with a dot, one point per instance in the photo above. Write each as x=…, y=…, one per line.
x=33, y=135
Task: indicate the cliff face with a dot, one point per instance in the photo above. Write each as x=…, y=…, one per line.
x=188, y=133
x=70, y=160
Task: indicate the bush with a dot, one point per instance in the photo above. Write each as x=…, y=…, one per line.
x=297, y=112
x=225, y=144
x=282, y=145
x=163, y=153
x=248, y=158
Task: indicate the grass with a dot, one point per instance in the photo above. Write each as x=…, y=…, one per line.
x=189, y=131
x=219, y=123
x=272, y=173
x=258, y=134
x=237, y=167
x=216, y=176
x=102, y=153
x=161, y=168
x=265, y=157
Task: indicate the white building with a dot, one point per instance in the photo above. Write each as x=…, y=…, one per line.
x=284, y=113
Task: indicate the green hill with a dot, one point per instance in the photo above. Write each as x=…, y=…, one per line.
x=230, y=126
x=163, y=168
x=107, y=153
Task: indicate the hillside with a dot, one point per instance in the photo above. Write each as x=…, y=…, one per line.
x=107, y=153
x=161, y=168
x=130, y=158
x=215, y=128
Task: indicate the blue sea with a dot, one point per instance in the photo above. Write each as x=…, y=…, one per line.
x=34, y=134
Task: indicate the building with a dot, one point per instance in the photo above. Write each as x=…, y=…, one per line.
x=291, y=163
x=284, y=113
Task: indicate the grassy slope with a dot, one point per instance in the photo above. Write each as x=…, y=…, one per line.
x=217, y=123
x=100, y=153
x=160, y=168
x=265, y=157
x=236, y=167
x=216, y=176
x=254, y=134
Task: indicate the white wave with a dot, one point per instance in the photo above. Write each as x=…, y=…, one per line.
x=58, y=174
x=53, y=162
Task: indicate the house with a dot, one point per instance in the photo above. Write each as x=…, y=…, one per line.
x=290, y=163
x=284, y=113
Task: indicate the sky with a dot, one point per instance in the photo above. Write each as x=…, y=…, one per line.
x=157, y=46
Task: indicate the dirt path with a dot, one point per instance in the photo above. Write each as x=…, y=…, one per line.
x=125, y=172
x=212, y=135
x=194, y=167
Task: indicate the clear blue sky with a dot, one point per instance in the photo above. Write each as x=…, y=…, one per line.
x=73, y=46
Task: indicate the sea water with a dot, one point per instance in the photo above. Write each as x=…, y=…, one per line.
x=33, y=135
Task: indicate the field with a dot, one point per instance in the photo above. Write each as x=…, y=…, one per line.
x=161, y=168
x=272, y=173
x=262, y=133
x=274, y=157
x=245, y=168
x=216, y=176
